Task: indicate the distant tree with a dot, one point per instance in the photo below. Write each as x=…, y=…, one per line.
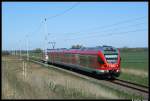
x=73, y=46
x=125, y=47
x=38, y=50
x=76, y=46
x=5, y=53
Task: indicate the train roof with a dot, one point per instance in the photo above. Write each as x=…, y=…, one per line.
x=86, y=50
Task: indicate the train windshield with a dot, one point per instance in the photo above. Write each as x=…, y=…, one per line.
x=111, y=58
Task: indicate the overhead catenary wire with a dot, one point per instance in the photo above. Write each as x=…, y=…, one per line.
x=98, y=32
x=59, y=14
x=108, y=34
x=107, y=26
x=104, y=27
x=56, y=15
x=65, y=11
x=38, y=28
x=118, y=23
x=99, y=27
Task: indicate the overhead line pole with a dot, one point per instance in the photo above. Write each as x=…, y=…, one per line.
x=20, y=49
x=16, y=52
x=12, y=52
x=27, y=47
x=45, y=39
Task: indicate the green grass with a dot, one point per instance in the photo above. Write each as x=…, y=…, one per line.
x=137, y=66
x=135, y=60
x=135, y=79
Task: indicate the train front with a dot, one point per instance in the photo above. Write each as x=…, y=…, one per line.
x=109, y=60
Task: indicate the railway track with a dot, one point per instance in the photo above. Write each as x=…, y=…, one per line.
x=129, y=86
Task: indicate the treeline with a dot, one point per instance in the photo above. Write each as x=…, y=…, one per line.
x=8, y=52
x=5, y=52
x=133, y=49
x=39, y=50
x=76, y=46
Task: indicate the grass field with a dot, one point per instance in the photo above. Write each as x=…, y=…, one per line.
x=134, y=66
x=137, y=60
x=49, y=83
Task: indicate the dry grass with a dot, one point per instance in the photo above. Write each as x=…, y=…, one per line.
x=54, y=79
x=44, y=83
x=135, y=72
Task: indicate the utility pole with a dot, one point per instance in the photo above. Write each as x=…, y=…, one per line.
x=48, y=40
x=16, y=52
x=20, y=49
x=27, y=47
x=45, y=39
x=12, y=51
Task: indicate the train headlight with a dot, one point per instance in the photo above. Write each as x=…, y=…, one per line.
x=46, y=57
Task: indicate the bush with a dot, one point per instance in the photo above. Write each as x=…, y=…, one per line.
x=38, y=50
x=76, y=46
x=5, y=53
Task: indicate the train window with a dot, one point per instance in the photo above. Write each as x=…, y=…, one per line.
x=77, y=58
x=58, y=56
x=93, y=61
x=87, y=60
x=84, y=60
x=70, y=58
x=67, y=55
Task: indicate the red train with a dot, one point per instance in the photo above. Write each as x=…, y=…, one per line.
x=98, y=60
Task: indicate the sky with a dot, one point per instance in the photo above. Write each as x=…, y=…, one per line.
x=118, y=24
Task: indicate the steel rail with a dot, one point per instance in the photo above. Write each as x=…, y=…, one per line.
x=131, y=85
x=146, y=87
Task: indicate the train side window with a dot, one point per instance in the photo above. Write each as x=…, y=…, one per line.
x=77, y=58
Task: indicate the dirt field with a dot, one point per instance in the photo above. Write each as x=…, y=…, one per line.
x=26, y=80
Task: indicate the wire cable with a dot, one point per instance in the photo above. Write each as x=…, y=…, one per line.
x=118, y=23
x=98, y=33
x=108, y=26
x=118, y=28
x=65, y=11
x=108, y=34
